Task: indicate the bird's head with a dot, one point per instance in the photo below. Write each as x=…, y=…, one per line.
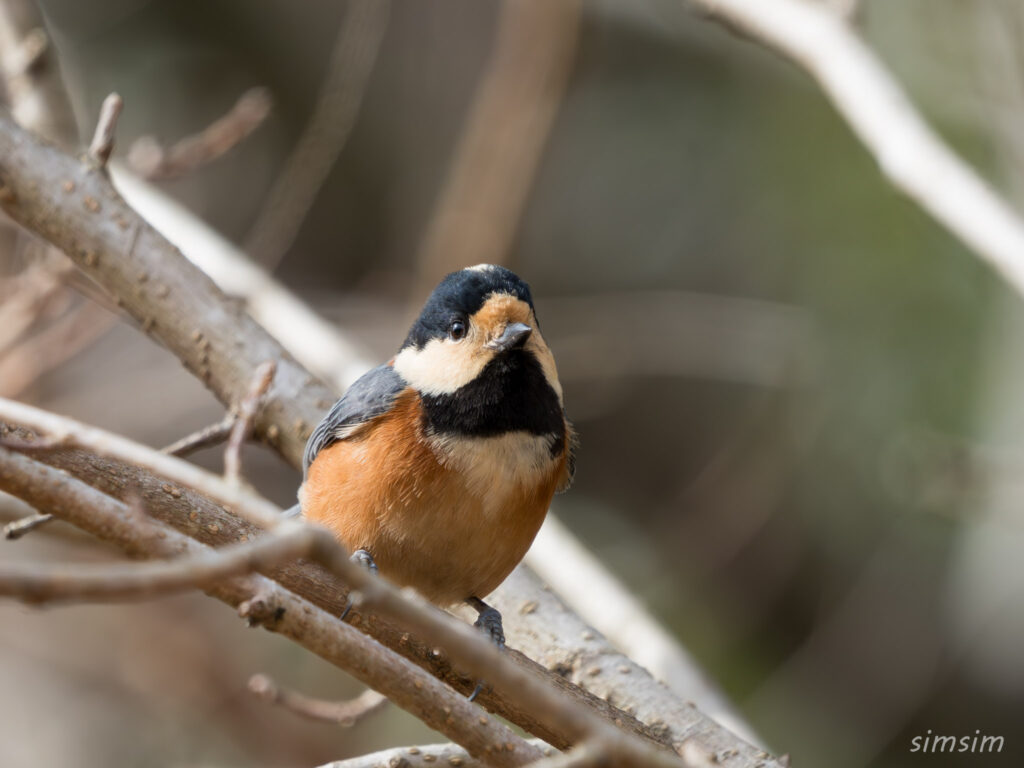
x=477, y=319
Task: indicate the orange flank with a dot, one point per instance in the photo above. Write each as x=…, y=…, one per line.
x=423, y=515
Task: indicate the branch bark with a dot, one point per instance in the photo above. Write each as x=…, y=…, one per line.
x=185, y=315
x=77, y=209
x=341, y=713
x=527, y=686
x=909, y=153
x=273, y=607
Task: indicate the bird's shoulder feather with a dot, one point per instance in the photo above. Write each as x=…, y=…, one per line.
x=372, y=395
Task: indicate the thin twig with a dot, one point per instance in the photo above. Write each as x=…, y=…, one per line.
x=18, y=528
x=213, y=434
x=106, y=128
x=153, y=161
x=344, y=713
x=32, y=583
x=244, y=416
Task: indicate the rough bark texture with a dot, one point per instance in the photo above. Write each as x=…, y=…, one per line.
x=279, y=610
x=75, y=207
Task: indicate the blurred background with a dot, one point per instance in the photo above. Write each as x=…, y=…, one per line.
x=798, y=397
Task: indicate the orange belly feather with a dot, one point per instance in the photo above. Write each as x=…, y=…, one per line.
x=420, y=520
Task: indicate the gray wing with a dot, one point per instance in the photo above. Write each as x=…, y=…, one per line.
x=372, y=395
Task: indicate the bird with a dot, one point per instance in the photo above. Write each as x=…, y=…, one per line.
x=436, y=469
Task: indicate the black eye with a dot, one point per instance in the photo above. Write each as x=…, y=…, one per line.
x=456, y=330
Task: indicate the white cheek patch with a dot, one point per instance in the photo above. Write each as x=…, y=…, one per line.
x=441, y=367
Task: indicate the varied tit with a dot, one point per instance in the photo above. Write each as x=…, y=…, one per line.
x=438, y=467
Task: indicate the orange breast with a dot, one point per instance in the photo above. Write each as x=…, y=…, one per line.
x=388, y=492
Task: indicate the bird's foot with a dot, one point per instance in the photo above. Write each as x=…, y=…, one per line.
x=364, y=558
x=489, y=622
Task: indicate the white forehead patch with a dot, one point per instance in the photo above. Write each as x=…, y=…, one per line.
x=482, y=268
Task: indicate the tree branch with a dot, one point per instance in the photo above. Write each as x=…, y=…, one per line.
x=343, y=713
x=244, y=416
x=280, y=610
x=152, y=161
x=910, y=154
x=18, y=528
x=551, y=704
x=32, y=583
x=106, y=129
x=423, y=756
x=186, y=312
x=77, y=209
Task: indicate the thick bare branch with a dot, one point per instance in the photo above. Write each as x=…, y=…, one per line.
x=551, y=704
x=281, y=611
x=79, y=211
x=344, y=713
x=908, y=151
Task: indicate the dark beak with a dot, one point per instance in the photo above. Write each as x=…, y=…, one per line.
x=514, y=335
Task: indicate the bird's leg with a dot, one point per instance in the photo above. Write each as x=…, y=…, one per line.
x=489, y=622
x=364, y=558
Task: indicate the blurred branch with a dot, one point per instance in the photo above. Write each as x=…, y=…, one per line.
x=214, y=434
x=154, y=162
x=317, y=344
x=34, y=88
x=343, y=713
x=275, y=608
x=325, y=135
x=106, y=129
x=75, y=330
x=508, y=125
x=910, y=154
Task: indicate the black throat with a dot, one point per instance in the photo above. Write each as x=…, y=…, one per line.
x=511, y=394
